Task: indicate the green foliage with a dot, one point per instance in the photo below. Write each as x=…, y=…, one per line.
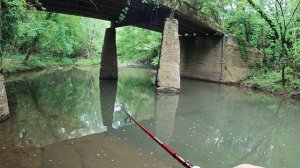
x=271, y=80
x=91, y=61
x=67, y=61
x=138, y=45
x=12, y=11
x=26, y=30
x=37, y=62
x=141, y=87
x=9, y=68
x=155, y=61
x=61, y=35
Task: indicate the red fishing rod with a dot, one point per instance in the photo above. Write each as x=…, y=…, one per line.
x=185, y=163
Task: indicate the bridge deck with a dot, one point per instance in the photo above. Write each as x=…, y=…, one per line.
x=143, y=15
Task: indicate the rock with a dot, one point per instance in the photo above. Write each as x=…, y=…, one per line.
x=296, y=96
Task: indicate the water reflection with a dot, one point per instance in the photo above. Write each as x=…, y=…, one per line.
x=166, y=107
x=66, y=103
x=211, y=125
x=221, y=125
x=136, y=91
x=108, y=92
x=51, y=108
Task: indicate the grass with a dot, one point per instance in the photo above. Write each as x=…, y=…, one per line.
x=85, y=61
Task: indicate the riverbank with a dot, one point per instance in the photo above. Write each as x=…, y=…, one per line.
x=13, y=64
x=270, y=82
x=260, y=81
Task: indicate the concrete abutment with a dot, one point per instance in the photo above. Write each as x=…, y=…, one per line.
x=215, y=58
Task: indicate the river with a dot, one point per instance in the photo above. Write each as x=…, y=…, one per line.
x=64, y=118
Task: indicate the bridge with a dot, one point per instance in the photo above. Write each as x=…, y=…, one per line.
x=145, y=14
x=193, y=44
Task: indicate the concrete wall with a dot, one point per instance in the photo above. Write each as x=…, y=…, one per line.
x=210, y=58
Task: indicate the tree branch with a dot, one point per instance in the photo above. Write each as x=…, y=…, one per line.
x=297, y=7
x=282, y=13
x=277, y=18
x=265, y=17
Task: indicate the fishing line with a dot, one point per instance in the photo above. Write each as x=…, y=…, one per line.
x=94, y=5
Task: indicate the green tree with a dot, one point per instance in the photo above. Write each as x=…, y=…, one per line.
x=138, y=45
x=12, y=11
x=279, y=15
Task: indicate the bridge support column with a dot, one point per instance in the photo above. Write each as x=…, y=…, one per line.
x=168, y=76
x=109, y=61
x=4, y=110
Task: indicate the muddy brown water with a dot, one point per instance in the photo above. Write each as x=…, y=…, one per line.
x=65, y=119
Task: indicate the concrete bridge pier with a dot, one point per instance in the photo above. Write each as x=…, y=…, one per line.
x=109, y=61
x=168, y=76
x=4, y=110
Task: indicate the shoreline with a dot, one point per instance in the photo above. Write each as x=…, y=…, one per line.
x=241, y=85
x=246, y=86
x=267, y=92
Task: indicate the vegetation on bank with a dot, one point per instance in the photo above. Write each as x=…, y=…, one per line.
x=13, y=63
x=40, y=39
x=32, y=40
x=270, y=82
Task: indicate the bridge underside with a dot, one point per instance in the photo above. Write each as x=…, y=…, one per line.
x=144, y=15
x=185, y=21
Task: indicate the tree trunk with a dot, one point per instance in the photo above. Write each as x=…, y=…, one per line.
x=265, y=17
x=247, y=30
x=27, y=56
x=4, y=111
x=263, y=46
x=33, y=43
x=91, y=43
x=284, y=59
x=295, y=52
x=283, y=74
